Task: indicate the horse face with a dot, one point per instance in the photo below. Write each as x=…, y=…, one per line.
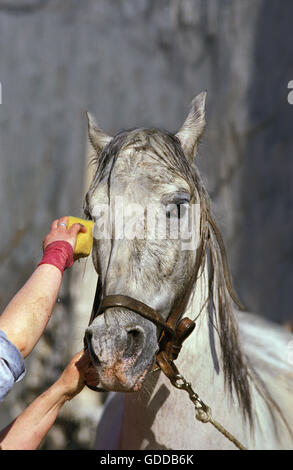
x=138, y=248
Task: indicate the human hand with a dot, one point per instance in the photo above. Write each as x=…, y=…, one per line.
x=60, y=232
x=72, y=379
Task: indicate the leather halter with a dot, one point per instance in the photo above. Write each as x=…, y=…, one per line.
x=174, y=330
x=136, y=306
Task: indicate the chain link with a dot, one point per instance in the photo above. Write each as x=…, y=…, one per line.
x=205, y=412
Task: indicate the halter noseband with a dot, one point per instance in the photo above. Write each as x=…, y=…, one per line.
x=135, y=306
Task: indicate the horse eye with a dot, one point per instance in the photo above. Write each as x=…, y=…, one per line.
x=177, y=211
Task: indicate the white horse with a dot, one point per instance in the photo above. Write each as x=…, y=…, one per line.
x=235, y=362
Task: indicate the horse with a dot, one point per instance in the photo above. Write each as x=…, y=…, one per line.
x=233, y=365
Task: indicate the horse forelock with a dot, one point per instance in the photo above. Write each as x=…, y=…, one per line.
x=163, y=147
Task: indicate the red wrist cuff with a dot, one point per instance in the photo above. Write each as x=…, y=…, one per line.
x=59, y=254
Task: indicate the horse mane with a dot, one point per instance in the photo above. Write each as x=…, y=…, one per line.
x=221, y=299
x=238, y=373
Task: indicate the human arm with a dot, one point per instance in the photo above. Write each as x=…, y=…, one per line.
x=28, y=430
x=26, y=316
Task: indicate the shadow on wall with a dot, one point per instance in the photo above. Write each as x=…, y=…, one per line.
x=266, y=247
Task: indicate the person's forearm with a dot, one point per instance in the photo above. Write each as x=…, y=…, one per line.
x=28, y=313
x=28, y=430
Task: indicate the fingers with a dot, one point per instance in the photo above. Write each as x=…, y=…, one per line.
x=62, y=220
x=82, y=357
x=79, y=372
x=76, y=228
x=59, y=231
x=82, y=360
x=78, y=356
x=56, y=223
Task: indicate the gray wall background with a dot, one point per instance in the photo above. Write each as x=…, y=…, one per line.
x=140, y=63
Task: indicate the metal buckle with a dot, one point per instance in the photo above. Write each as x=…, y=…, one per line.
x=181, y=383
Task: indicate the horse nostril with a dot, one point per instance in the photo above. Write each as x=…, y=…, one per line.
x=135, y=342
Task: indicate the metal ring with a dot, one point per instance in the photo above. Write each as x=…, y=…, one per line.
x=62, y=223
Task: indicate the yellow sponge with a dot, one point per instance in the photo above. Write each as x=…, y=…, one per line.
x=84, y=241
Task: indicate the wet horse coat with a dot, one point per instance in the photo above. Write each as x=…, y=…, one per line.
x=236, y=363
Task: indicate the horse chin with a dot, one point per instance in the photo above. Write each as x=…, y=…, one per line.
x=117, y=379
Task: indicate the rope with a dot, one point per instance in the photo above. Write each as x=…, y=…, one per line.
x=206, y=417
x=226, y=433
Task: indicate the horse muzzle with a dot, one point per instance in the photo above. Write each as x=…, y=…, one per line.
x=121, y=352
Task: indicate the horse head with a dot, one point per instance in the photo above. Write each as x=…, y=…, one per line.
x=144, y=202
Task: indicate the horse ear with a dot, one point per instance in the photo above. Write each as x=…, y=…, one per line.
x=97, y=137
x=193, y=126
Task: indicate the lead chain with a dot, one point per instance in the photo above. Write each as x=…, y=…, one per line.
x=203, y=412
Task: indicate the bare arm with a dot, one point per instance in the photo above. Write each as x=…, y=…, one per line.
x=28, y=313
x=28, y=430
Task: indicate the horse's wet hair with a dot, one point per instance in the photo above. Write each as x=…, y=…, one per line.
x=157, y=143
x=165, y=146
